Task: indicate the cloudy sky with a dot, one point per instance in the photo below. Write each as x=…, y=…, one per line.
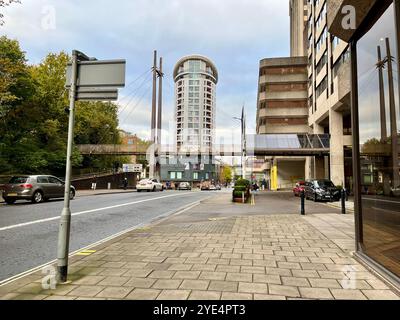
x=235, y=34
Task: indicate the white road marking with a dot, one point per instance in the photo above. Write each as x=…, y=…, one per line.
x=91, y=211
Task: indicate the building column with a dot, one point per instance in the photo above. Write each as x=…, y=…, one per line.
x=319, y=161
x=336, y=148
x=308, y=169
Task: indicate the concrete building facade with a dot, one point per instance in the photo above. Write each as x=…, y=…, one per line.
x=298, y=21
x=329, y=96
x=282, y=108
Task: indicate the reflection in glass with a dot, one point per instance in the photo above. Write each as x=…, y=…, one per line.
x=379, y=142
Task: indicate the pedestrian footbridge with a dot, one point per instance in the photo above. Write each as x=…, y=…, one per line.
x=255, y=145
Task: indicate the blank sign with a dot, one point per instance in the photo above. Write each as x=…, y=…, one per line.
x=104, y=73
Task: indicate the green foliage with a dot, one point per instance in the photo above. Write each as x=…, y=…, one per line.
x=33, y=120
x=242, y=182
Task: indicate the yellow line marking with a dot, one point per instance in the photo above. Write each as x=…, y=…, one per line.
x=83, y=254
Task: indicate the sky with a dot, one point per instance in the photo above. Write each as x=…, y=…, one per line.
x=234, y=34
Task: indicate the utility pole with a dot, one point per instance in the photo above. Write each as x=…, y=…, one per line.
x=393, y=124
x=65, y=219
x=242, y=120
x=159, y=113
x=153, y=117
x=381, y=66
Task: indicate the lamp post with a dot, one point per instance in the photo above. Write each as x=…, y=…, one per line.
x=242, y=120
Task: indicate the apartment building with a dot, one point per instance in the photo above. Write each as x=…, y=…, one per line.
x=282, y=109
x=328, y=96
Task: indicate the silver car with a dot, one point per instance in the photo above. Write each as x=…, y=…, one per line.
x=34, y=188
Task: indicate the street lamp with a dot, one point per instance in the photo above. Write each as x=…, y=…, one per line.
x=242, y=120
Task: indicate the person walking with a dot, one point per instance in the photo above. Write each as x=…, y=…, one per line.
x=125, y=183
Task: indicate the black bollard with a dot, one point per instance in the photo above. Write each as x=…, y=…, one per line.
x=343, y=198
x=302, y=198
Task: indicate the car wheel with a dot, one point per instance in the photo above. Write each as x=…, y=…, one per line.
x=139, y=190
x=10, y=201
x=37, y=197
x=315, y=197
x=71, y=195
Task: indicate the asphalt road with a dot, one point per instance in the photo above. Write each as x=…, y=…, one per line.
x=28, y=232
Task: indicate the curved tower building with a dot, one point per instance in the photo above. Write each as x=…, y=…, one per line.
x=195, y=79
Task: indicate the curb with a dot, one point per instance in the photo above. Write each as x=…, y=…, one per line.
x=149, y=224
x=102, y=193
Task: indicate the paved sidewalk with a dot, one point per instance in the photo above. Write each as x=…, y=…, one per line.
x=230, y=255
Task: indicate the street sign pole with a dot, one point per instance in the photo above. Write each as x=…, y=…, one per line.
x=65, y=220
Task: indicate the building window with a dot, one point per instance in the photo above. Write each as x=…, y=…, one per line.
x=378, y=135
x=195, y=176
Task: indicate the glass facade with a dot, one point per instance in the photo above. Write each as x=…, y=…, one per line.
x=379, y=124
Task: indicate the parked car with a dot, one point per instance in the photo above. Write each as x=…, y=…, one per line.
x=34, y=188
x=205, y=185
x=149, y=185
x=213, y=187
x=322, y=190
x=184, y=186
x=218, y=187
x=395, y=192
x=300, y=186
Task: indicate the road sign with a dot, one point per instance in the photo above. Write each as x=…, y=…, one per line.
x=101, y=73
x=132, y=168
x=99, y=94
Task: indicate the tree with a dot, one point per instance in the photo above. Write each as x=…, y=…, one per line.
x=6, y=3
x=226, y=174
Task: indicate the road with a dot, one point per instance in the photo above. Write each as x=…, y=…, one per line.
x=28, y=233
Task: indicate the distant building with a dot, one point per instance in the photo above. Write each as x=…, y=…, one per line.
x=195, y=79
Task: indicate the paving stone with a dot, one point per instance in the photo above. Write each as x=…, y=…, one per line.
x=380, y=295
x=247, y=287
x=377, y=284
x=346, y=294
x=113, y=281
x=113, y=272
x=236, y=276
x=187, y=275
x=293, y=281
x=241, y=262
x=206, y=275
x=315, y=293
x=233, y=296
x=265, y=263
x=167, y=284
x=289, y=265
x=135, y=265
x=195, y=284
x=265, y=297
x=287, y=291
x=86, y=291
x=204, y=267
x=115, y=292
x=162, y=274
x=267, y=278
x=223, y=286
x=114, y=264
x=204, y=295
x=54, y=297
x=313, y=266
x=174, y=295
x=137, y=273
x=332, y=275
x=246, y=269
x=305, y=273
x=278, y=271
x=180, y=267
x=143, y=294
x=325, y=283
x=140, y=283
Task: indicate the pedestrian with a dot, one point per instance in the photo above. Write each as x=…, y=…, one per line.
x=125, y=183
x=264, y=184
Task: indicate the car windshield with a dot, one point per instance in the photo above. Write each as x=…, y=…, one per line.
x=15, y=180
x=325, y=183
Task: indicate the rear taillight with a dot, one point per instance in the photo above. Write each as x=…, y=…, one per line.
x=26, y=186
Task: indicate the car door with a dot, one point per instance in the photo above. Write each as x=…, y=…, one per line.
x=44, y=185
x=56, y=186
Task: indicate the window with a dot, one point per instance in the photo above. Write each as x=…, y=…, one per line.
x=42, y=180
x=172, y=175
x=195, y=176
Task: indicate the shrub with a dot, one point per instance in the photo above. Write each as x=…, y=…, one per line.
x=242, y=182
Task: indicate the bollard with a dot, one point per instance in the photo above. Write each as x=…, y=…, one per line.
x=242, y=196
x=343, y=198
x=302, y=198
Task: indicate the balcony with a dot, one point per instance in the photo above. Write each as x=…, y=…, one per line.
x=287, y=95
